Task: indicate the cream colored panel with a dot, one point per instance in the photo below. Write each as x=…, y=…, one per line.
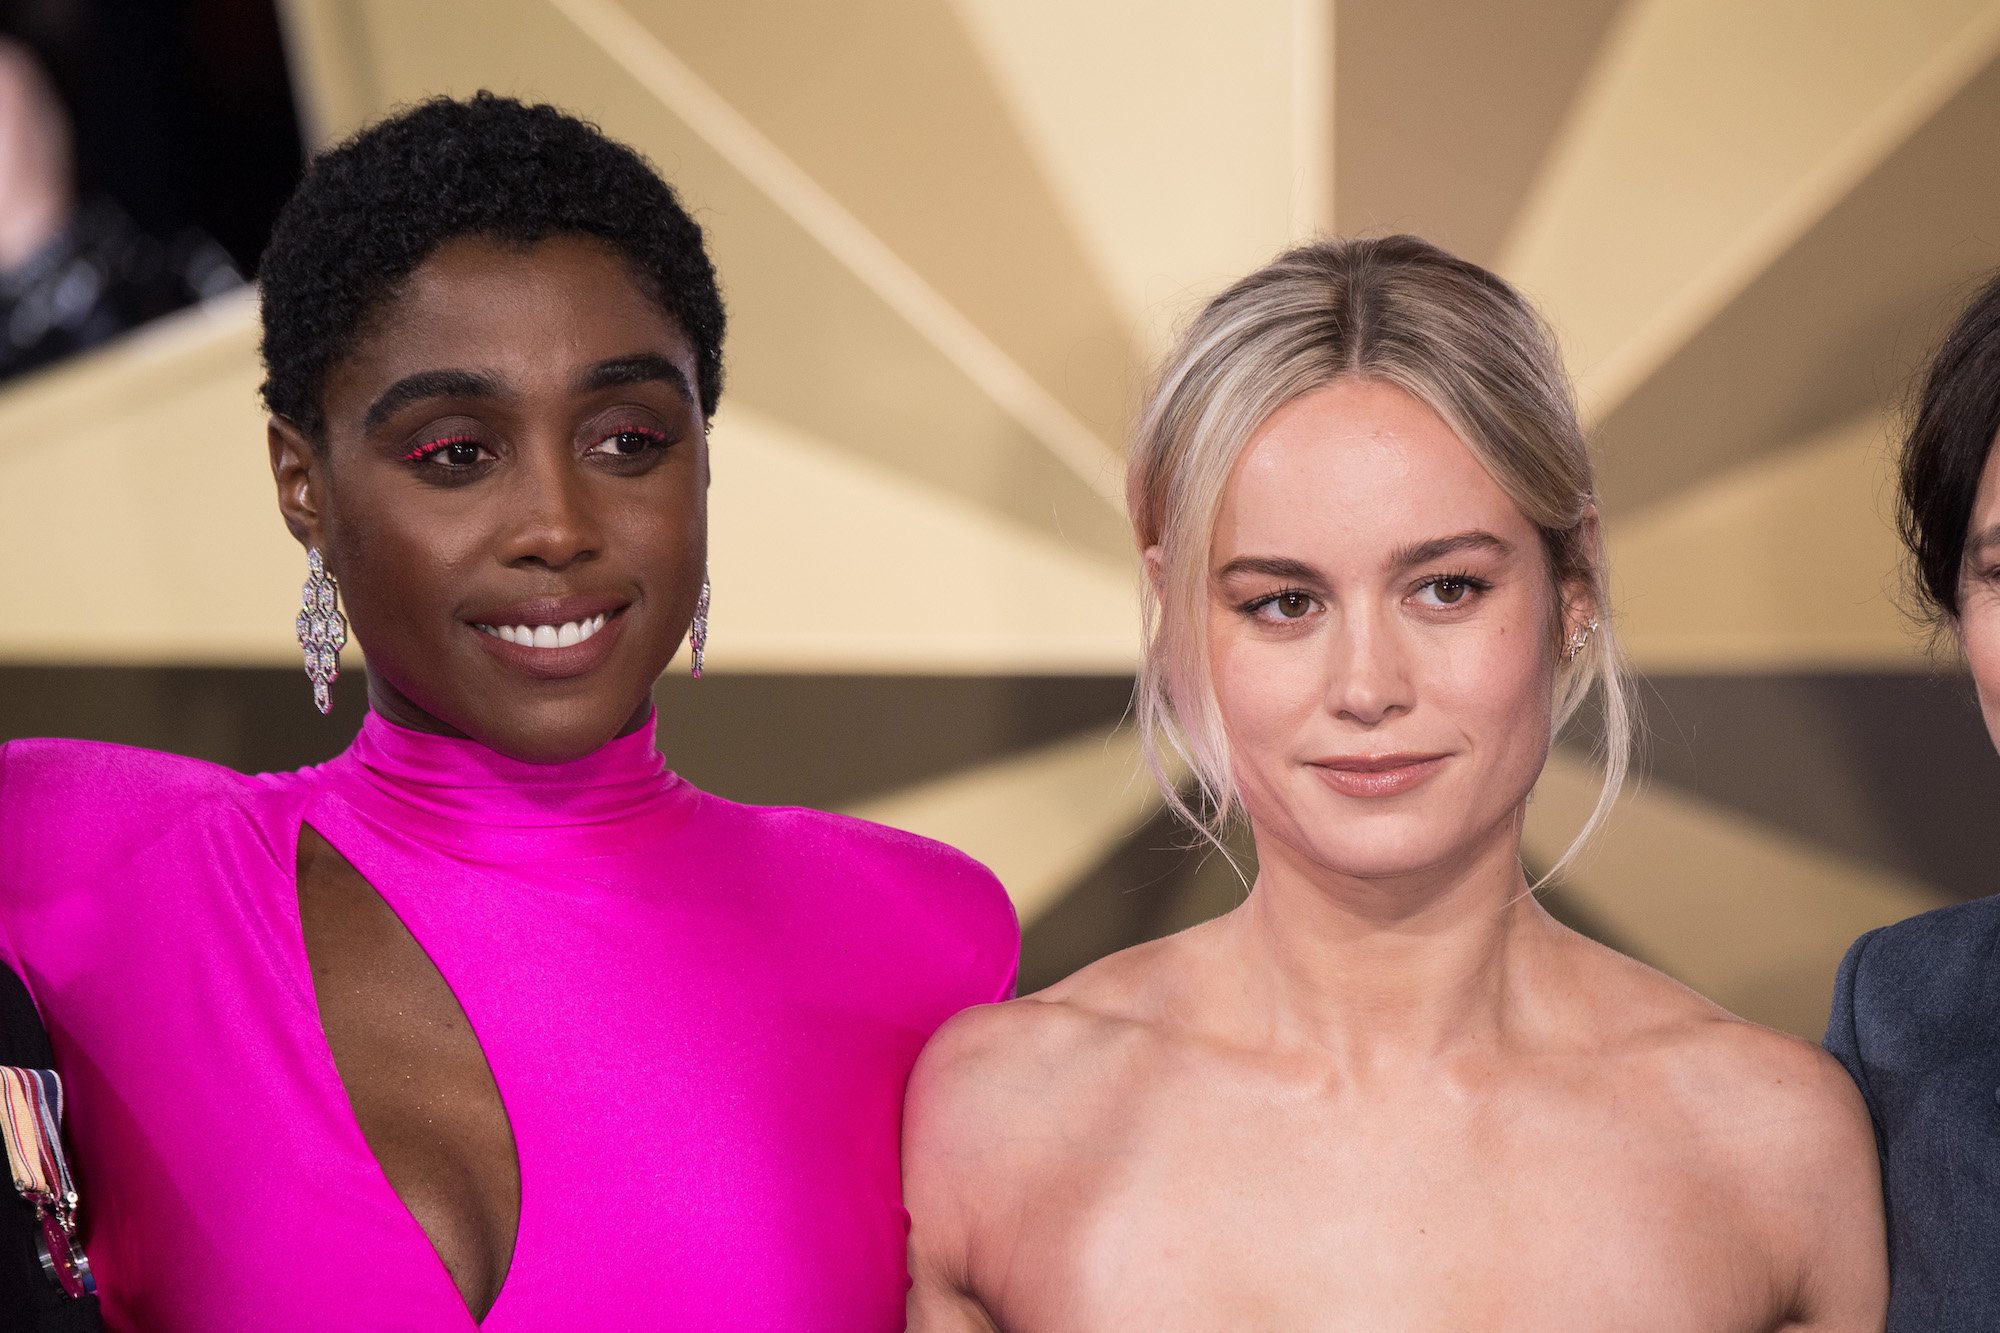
x=825, y=562
x=1167, y=131
x=1752, y=918
x=326, y=48
x=1710, y=138
x=830, y=330
x=724, y=129
x=1447, y=108
x=1040, y=820
x=1787, y=563
x=1837, y=325
x=137, y=513
x=923, y=153
x=1312, y=97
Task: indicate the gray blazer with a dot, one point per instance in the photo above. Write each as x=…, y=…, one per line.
x=1916, y=1020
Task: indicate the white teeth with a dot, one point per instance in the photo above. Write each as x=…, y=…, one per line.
x=547, y=636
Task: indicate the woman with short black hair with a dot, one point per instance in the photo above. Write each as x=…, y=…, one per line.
x=1917, y=1005
x=491, y=1019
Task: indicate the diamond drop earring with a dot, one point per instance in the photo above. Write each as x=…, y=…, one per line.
x=698, y=632
x=322, y=629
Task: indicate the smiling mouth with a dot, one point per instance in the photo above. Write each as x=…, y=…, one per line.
x=566, y=635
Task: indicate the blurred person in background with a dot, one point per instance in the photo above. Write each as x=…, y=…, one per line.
x=1389, y=1090
x=37, y=178
x=1916, y=1009
x=492, y=1019
x=37, y=205
x=75, y=275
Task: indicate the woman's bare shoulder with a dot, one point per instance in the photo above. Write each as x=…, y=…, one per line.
x=1056, y=1037
x=1775, y=1103
x=1781, y=1135
x=1042, y=1069
x=1779, y=1103
x=1015, y=1108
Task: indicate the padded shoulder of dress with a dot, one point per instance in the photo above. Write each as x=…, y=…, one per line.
x=886, y=864
x=798, y=830
x=49, y=777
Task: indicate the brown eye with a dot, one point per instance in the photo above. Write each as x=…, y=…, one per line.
x=629, y=443
x=1448, y=592
x=460, y=451
x=1289, y=605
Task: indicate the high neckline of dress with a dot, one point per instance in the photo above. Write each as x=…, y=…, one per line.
x=465, y=782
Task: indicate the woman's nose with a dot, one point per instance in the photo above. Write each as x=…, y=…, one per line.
x=551, y=517
x=1368, y=674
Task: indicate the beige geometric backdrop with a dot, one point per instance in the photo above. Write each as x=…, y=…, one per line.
x=953, y=232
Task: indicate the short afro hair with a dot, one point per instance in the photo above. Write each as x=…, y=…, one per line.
x=371, y=210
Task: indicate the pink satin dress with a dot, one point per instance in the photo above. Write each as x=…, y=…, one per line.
x=700, y=1017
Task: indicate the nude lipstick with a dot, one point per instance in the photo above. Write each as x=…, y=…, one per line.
x=1377, y=775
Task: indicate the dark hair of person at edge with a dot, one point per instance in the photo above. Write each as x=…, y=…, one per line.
x=1954, y=420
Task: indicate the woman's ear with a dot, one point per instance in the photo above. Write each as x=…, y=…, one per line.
x=1151, y=558
x=1579, y=591
x=298, y=469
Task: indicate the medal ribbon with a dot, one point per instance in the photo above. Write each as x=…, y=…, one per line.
x=30, y=1120
x=31, y=1107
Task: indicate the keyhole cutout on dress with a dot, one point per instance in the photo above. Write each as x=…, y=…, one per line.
x=414, y=1071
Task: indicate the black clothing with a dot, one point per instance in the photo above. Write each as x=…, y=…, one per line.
x=1916, y=1020
x=99, y=278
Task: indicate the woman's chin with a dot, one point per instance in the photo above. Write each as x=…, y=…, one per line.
x=556, y=732
x=1392, y=859
x=1389, y=869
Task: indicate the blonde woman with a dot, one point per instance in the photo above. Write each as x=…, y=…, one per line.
x=1388, y=1091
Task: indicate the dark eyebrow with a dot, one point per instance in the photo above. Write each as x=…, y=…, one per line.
x=429, y=384
x=1277, y=567
x=1298, y=571
x=1439, y=547
x=644, y=368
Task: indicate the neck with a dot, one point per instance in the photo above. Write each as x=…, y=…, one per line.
x=548, y=745
x=458, y=784
x=1375, y=972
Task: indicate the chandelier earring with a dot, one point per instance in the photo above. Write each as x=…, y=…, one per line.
x=322, y=629
x=1579, y=639
x=698, y=632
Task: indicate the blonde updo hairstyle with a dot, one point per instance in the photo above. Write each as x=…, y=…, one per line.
x=1395, y=309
